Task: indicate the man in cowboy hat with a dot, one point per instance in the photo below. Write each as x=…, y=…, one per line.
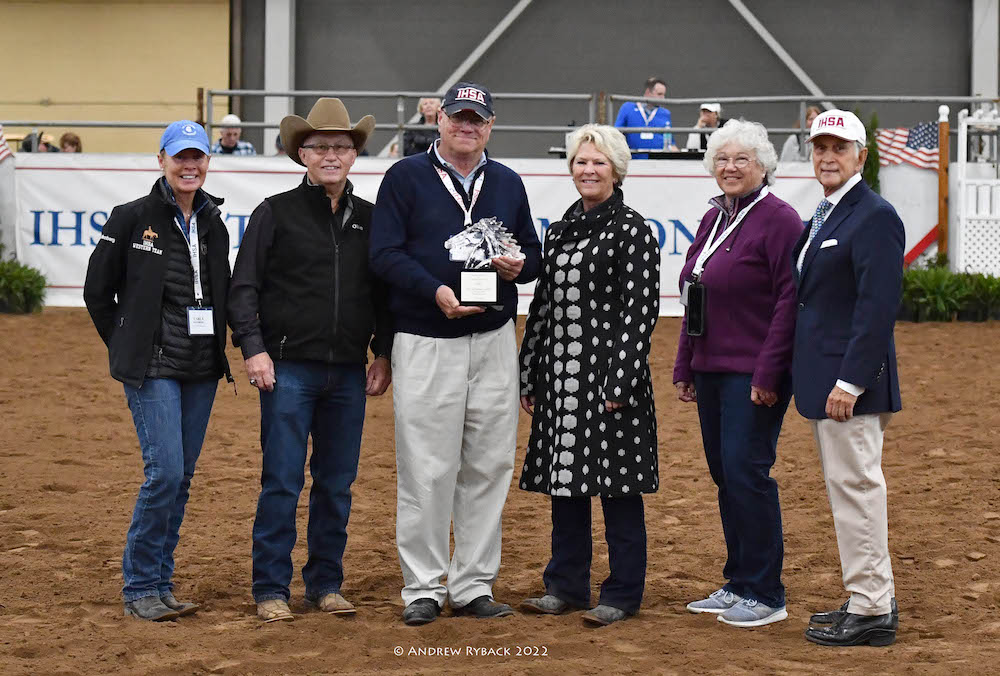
x=304, y=309
x=455, y=393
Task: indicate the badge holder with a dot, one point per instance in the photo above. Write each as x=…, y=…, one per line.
x=201, y=321
x=696, y=309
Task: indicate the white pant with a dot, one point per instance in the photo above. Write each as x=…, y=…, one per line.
x=851, y=455
x=8, y=206
x=456, y=404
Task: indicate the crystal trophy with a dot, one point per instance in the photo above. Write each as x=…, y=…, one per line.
x=476, y=246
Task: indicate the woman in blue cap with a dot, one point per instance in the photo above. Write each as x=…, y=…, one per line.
x=156, y=289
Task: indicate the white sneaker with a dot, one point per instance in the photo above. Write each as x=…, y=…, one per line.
x=752, y=613
x=717, y=602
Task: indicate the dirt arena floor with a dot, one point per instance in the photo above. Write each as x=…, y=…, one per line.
x=70, y=468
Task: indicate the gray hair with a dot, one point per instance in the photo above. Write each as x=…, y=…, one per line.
x=752, y=136
x=858, y=147
x=608, y=141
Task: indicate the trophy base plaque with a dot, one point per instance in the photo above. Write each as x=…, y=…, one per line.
x=479, y=287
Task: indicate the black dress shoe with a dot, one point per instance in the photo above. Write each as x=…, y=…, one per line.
x=833, y=616
x=851, y=629
x=484, y=606
x=421, y=611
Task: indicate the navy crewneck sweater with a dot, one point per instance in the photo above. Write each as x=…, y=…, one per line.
x=414, y=215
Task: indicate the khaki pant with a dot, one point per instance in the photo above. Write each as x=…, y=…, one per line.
x=456, y=407
x=851, y=455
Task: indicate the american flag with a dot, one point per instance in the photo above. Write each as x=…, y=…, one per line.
x=917, y=146
x=4, y=148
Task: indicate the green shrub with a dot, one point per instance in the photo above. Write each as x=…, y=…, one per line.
x=980, y=301
x=934, y=293
x=22, y=288
x=991, y=285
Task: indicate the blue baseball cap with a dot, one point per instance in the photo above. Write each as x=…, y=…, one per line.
x=184, y=134
x=468, y=96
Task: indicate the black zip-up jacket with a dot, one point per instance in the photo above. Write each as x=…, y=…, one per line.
x=133, y=290
x=302, y=288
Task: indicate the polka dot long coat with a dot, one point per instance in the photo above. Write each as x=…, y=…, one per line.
x=587, y=340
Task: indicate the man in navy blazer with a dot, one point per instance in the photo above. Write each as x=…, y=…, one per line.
x=848, y=272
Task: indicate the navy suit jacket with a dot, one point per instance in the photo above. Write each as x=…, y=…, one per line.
x=848, y=297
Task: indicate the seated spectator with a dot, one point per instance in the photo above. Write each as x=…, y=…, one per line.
x=640, y=114
x=70, y=143
x=791, y=152
x=39, y=142
x=229, y=142
x=279, y=147
x=710, y=118
x=416, y=141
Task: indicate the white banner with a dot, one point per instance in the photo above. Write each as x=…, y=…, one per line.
x=64, y=200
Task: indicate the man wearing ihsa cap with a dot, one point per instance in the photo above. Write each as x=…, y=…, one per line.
x=455, y=382
x=848, y=270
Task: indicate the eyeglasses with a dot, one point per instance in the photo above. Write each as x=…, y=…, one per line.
x=472, y=118
x=324, y=148
x=741, y=162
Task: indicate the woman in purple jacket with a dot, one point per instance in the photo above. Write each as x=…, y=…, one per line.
x=734, y=358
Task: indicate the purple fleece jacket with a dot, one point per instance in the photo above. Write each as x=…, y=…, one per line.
x=749, y=292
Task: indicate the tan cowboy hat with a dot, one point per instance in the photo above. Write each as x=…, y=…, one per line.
x=327, y=114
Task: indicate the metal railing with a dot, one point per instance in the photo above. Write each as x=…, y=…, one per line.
x=117, y=124
x=803, y=101
x=600, y=107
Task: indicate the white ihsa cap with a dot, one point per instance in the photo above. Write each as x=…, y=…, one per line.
x=839, y=123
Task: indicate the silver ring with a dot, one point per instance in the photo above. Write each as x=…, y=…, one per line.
x=253, y=381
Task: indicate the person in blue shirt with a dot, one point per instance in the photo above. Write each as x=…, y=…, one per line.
x=640, y=114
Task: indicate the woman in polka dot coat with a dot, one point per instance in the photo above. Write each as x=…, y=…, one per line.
x=585, y=379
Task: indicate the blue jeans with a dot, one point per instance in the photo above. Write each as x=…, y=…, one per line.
x=568, y=574
x=741, y=441
x=170, y=417
x=327, y=401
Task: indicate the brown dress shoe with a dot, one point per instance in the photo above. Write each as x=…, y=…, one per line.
x=274, y=610
x=335, y=604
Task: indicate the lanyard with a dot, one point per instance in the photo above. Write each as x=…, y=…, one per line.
x=641, y=107
x=711, y=246
x=194, y=250
x=477, y=186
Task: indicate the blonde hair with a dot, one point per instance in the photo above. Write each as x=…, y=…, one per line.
x=420, y=104
x=608, y=141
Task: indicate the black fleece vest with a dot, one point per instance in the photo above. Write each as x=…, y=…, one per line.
x=316, y=302
x=175, y=353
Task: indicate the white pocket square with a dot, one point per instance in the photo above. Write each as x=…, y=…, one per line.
x=829, y=242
